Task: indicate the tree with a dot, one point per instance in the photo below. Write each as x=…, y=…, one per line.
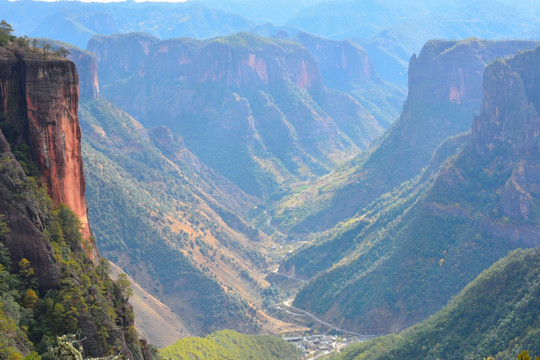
x=30, y=299
x=68, y=349
x=525, y=356
x=63, y=52
x=46, y=47
x=123, y=287
x=25, y=270
x=5, y=33
x=5, y=28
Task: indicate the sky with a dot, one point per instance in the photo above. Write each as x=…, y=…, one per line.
x=103, y=1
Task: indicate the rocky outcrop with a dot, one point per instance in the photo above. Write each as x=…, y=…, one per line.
x=452, y=71
x=87, y=68
x=120, y=56
x=340, y=62
x=509, y=127
x=509, y=116
x=40, y=98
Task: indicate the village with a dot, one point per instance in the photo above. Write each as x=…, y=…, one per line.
x=315, y=346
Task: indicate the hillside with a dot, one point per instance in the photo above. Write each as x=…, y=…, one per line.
x=187, y=249
x=408, y=257
x=496, y=316
x=253, y=109
x=230, y=345
x=445, y=89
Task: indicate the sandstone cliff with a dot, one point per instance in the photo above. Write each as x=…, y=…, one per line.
x=120, y=56
x=40, y=98
x=242, y=61
x=87, y=68
x=339, y=61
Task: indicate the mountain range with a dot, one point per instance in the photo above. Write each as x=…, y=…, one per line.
x=253, y=165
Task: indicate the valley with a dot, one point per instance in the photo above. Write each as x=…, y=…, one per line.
x=346, y=181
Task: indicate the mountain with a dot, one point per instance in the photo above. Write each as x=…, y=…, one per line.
x=348, y=18
x=445, y=86
x=254, y=109
x=494, y=317
x=392, y=31
x=347, y=67
x=76, y=22
x=276, y=12
x=408, y=256
x=53, y=280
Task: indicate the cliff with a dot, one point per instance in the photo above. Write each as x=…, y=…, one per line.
x=49, y=264
x=87, y=68
x=346, y=66
x=120, y=56
x=510, y=122
x=40, y=99
x=340, y=62
x=244, y=61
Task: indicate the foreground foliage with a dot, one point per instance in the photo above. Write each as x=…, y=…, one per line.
x=230, y=345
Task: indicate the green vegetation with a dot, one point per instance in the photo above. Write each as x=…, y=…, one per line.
x=230, y=345
x=496, y=316
x=24, y=43
x=32, y=320
x=409, y=256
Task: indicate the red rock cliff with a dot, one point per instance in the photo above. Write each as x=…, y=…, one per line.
x=41, y=96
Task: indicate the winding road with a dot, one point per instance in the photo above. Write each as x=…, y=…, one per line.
x=289, y=305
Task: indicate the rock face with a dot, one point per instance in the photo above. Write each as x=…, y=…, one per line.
x=510, y=121
x=339, y=61
x=517, y=125
x=40, y=97
x=87, y=68
x=120, y=56
x=243, y=61
x=436, y=76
